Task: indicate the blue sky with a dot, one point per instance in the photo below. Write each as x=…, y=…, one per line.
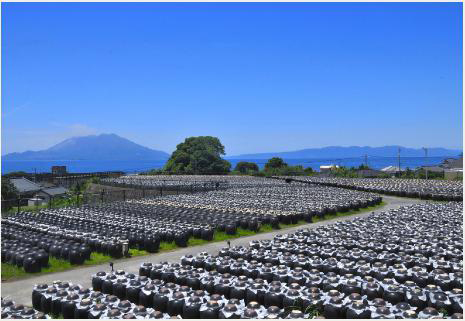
x=261, y=77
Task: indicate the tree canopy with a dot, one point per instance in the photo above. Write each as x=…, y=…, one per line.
x=198, y=155
x=244, y=167
x=8, y=189
x=274, y=163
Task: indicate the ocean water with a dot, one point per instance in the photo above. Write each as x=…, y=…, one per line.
x=83, y=166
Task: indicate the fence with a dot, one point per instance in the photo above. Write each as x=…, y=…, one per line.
x=17, y=205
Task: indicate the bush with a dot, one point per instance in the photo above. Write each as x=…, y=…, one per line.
x=246, y=167
x=275, y=163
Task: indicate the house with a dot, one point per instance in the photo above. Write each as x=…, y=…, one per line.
x=53, y=192
x=392, y=169
x=453, y=163
x=59, y=170
x=432, y=169
x=24, y=186
x=328, y=168
x=46, y=184
x=34, y=202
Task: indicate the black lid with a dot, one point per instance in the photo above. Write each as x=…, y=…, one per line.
x=213, y=304
x=230, y=307
x=114, y=313
x=124, y=304
x=139, y=309
x=111, y=298
x=99, y=307
x=251, y=314
x=156, y=315
x=72, y=296
x=129, y=316
x=273, y=309
x=383, y=310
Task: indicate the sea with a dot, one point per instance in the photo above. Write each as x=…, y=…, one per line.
x=135, y=166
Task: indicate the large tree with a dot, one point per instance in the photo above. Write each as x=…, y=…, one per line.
x=198, y=155
x=275, y=163
x=9, y=191
x=243, y=167
x=9, y=194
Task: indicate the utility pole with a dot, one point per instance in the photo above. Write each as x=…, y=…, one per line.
x=398, y=158
x=426, y=160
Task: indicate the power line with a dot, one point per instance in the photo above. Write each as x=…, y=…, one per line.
x=398, y=157
x=426, y=160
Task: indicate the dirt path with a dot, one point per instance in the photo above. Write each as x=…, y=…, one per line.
x=21, y=290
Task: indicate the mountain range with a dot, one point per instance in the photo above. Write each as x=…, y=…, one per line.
x=114, y=147
x=94, y=147
x=351, y=152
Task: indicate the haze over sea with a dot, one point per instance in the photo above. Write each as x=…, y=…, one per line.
x=135, y=166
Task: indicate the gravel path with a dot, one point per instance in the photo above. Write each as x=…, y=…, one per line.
x=20, y=291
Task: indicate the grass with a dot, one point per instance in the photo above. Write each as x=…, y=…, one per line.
x=352, y=212
x=137, y=252
x=11, y=272
x=167, y=246
x=301, y=222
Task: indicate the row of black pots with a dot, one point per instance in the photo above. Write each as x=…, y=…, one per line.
x=12, y=310
x=32, y=259
x=75, y=302
x=424, y=189
x=72, y=251
x=316, y=275
x=172, y=298
x=228, y=285
x=404, y=268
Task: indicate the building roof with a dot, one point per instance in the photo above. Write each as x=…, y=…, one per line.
x=23, y=185
x=436, y=169
x=392, y=169
x=453, y=163
x=46, y=184
x=329, y=166
x=53, y=191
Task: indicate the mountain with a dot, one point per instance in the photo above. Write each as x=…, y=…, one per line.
x=351, y=152
x=94, y=147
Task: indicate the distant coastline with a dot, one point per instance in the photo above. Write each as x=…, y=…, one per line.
x=137, y=166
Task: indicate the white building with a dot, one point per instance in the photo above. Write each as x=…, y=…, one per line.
x=392, y=169
x=328, y=168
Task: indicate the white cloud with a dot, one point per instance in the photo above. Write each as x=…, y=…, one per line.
x=20, y=140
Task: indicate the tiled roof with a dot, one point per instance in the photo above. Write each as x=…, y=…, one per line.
x=23, y=185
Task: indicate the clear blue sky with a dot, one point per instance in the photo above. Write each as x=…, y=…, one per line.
x=261, y=77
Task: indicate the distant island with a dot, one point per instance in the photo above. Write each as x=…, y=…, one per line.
x=352, y=152
x=94, y=147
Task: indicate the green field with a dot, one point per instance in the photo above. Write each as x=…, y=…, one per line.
x=12, y=272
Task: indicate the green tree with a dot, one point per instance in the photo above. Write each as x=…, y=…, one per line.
x=275, y=163
x=198, y=155
x=363, y=166
x=9, y=191
x=308, y=171
x=9, y=194
x=244, y=167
